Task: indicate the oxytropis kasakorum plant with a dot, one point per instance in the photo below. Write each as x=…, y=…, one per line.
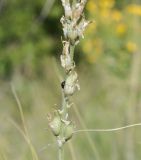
x=74, y=24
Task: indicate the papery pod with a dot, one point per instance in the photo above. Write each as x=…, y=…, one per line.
x=71, y=84
x=82, y=26
x=72, y=77
x=77, y=11
x=67, y=8
x=55, y=124
x=69, y=132
x=66, y=60
x=69, y=90
x=72, y=35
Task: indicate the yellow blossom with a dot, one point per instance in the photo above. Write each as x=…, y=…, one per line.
x=91, y=28
x=131, y=46
x=92, y=49
x=88, y=46
x=91, y=6
x=134, y=9
x=106, y=3
x=105, y=14
x=121, y=29
x=116, y=15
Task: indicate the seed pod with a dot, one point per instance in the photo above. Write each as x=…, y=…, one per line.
x=67, y=8
x=71, y=84
x=68, y=11
x=66, y=60
x=68, y=132
x=72, y=35
x=82, y=26
x=55, y=124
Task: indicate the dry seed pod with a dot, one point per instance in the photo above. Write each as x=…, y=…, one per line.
x=71, y=84
x=66, y=60
x=68, y=132
x=77, y=11
x=72, y=35
x=55, y=124
x=67, y=8
x=82, y=26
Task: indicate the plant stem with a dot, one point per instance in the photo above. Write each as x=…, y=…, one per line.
x=64, y=106
x=72, y=47
x=73, y=24
x=61, y=153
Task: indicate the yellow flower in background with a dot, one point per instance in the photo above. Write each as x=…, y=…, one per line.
x=88, y=46
x=116, y=15
x=134, y=9
x=106, y=3
x=131, y=46
x=91, y=6
x=105, y=14
x=121, y=29
x=92, y=49
x=91, y=28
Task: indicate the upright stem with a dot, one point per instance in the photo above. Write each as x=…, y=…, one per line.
x=61, y=153
x=72, y=47
x=74, y=24
x=64, y=107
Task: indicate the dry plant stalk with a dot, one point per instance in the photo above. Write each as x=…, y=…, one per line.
x=74, y=24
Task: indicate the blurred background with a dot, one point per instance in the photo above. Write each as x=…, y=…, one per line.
x=109, y=67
